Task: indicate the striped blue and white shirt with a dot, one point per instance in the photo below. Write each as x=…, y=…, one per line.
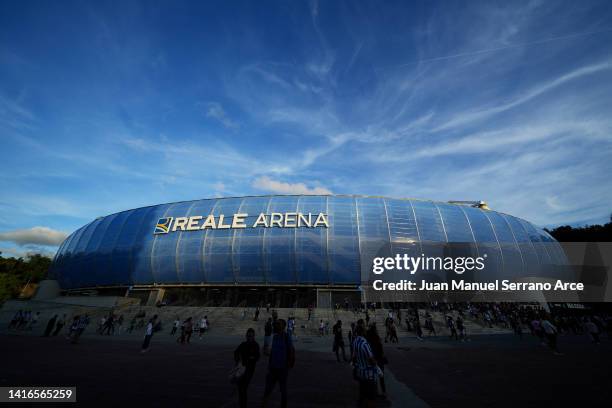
x=362, y=356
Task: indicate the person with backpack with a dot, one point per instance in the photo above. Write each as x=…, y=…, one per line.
x=246, y=354
x=282, y=358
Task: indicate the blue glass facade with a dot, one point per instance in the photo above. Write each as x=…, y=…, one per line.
x=121, y=249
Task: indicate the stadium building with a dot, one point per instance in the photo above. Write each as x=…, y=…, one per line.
x=286, y=250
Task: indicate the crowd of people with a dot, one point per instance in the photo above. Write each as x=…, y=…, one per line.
x=365, y=347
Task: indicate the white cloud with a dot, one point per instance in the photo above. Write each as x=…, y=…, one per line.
x=216, y=111
x=468, y=117
x=274, y=186
x=34, y=235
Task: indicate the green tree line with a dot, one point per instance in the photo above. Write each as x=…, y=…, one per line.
x=16, y=272
x=587, y=233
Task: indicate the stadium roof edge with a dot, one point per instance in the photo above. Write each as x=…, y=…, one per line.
x=279, y=195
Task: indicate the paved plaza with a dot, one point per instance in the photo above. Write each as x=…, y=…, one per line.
x=499, y=370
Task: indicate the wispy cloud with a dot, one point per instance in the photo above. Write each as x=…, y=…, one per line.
x=215, y=110
x=34, y=235
x=274, y=186
x=506, y=103
x=465, y=118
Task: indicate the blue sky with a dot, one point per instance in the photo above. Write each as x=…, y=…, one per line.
x=107, y=106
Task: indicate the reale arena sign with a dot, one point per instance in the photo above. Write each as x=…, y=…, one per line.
x=239, y=220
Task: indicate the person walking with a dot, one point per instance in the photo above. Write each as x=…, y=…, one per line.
x=365, y=368
x=393, y=332
x=461, y=328
x=379, y=355
x=109, y=326
x=267, y=336
x=429, y=325
x=16, y=319
x=50, y=326
x=450, y=323
x=175, y=326
x=291, y=327
x=149, y=334
x=591, y=328
x=202, y=327
x=187, y=331
x=246, y=354
x=282, y=358
x=60, y=324
x=33, y=321
x=101, y=325
x=81, y=324
x=417, y=328
x=73, y=327
x=351, y=337
x=338, y=341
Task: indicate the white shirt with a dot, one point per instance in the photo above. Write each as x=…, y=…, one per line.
x=149, y=331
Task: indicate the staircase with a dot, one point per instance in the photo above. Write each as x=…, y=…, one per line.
x=228, y=320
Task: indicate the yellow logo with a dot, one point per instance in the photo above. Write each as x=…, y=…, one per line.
x=163, y=225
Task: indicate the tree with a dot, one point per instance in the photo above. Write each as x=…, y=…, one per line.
x=16, y=272
x=588, y=233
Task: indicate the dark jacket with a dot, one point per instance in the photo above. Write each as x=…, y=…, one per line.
x=247, y=353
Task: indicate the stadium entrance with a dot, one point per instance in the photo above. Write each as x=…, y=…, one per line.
x=238, y=296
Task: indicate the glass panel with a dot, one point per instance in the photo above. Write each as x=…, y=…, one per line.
x=190, y=246
x=279, y=244
x=431, y=231
x=531, y=265
x=163, y=252
x=428, y=221
x=486, y=242
x=105, y=274
x=311, y=244
x=143, y=245
x=74, y=241
x=459, y=234
x=513, y=262
x=248, y=242
x=554, y=250
x=343, y=243
x=535, y=239
x=403, y=228
x=63, y=268
x=373, y=234
x=89, y=259
x=121, y=259
x=218, y=244
x=80, y=271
